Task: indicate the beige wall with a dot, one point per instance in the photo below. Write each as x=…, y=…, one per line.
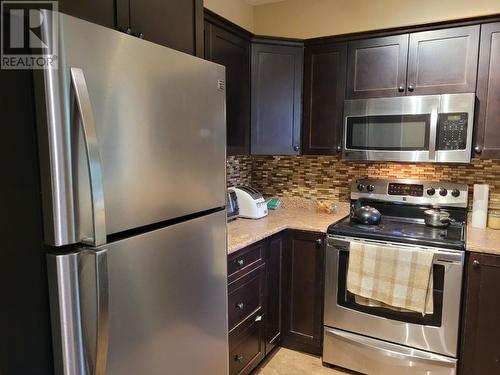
x=314, y=18
x=236, y=11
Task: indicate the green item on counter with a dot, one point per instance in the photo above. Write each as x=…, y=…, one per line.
x=274, y=203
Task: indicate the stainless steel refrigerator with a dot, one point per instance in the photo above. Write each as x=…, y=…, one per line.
x=132, y=148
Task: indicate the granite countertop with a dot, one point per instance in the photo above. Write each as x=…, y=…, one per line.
x=302, y=215
x=244, y=232
x=483, y=240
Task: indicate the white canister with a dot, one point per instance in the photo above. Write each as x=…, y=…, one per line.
x=480, y=205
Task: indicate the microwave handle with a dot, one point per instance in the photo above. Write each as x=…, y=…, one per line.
x=433, y=134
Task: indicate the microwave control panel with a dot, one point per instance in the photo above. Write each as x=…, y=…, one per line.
x=452, y=131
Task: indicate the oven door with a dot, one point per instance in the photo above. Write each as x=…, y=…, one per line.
x=437, y=332
x=391, y=129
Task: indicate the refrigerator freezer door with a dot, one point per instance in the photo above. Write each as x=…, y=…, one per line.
x=166, y=310
x=159, y=116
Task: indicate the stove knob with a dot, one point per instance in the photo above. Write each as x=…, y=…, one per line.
x=431, y=191
x=455, y=192
x=443, y=192
x=361, y=187
x=370, y=188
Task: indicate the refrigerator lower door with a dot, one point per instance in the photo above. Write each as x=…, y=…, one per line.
x=151, y=304
x=375, y=357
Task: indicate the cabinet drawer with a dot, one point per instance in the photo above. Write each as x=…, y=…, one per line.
x=245, y=296
x=245, y=260
x=246, y=345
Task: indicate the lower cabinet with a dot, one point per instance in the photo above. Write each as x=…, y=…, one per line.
x=275, y=296
x=481, y=316
x=274, y=257
x=303, y=285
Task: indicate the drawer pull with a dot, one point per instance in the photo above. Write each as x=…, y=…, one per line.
x=240, y=305
x=240, y=262
x=238, y=358
x=258, y=318
x=476, y=263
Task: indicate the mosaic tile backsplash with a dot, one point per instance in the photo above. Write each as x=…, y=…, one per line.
x=328, y=177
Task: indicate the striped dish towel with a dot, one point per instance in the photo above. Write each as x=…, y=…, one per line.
x=389, y=276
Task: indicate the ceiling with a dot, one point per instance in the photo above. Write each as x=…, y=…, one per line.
x=260, y=2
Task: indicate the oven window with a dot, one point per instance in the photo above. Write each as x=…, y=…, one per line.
x=346, y=298
x=391, y=132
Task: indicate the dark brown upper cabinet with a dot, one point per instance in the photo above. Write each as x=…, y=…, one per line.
x=177, y=24
x=303, y=286
x=324, y=93
x=429, y=62
x=480, y=349
x=276, y=87
x=487, y=139
x=101, y=12
x=443, y=61
x=232, y=49
x=377, y=67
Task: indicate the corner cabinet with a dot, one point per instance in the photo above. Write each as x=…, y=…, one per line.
x=303, y=285
x=487, y=139
x=276, y=101
x=228, y=45
x=481, y=316
x=440, y=61
x=324, y=93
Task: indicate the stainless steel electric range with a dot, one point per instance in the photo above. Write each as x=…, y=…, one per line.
x=382, y=341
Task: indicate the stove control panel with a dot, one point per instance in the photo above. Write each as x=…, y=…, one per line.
x=415, y=190
x=433, y=193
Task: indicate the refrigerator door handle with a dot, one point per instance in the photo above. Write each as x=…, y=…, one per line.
x=87, y=122
x=102, y=312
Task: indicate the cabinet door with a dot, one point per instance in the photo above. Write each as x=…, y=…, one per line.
x=101, y=12
x=273, y=291
x=480, y=349
x=177, y=24
x=303, y=292
x=488, y=93
x=443, y=61
x=276, y=99
x=377, y=67
x=233, y=52
x=324, y=93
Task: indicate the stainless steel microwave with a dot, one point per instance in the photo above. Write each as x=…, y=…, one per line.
x=429, y=128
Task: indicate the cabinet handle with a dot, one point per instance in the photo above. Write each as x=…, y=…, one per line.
x=296, y=148
x=411, y=88
x=240, y=262
x=319, y=242
x=238, y=358
x=126, y=30
x=401, y=89
x=338, y=149
x=240, y=305
x=476, y=263
x=258, y=318
x=478, y=150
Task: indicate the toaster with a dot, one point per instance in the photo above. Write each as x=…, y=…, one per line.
x=251, y=203
x=232, y=208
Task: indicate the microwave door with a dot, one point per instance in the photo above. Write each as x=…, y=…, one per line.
x=391, y=129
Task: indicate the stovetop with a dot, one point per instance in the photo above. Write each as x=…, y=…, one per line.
x=394, y=229
x=405, y=223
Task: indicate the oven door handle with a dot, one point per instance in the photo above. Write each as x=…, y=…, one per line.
x=390, y=351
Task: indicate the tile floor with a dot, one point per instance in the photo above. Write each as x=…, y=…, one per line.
x=289, y=362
